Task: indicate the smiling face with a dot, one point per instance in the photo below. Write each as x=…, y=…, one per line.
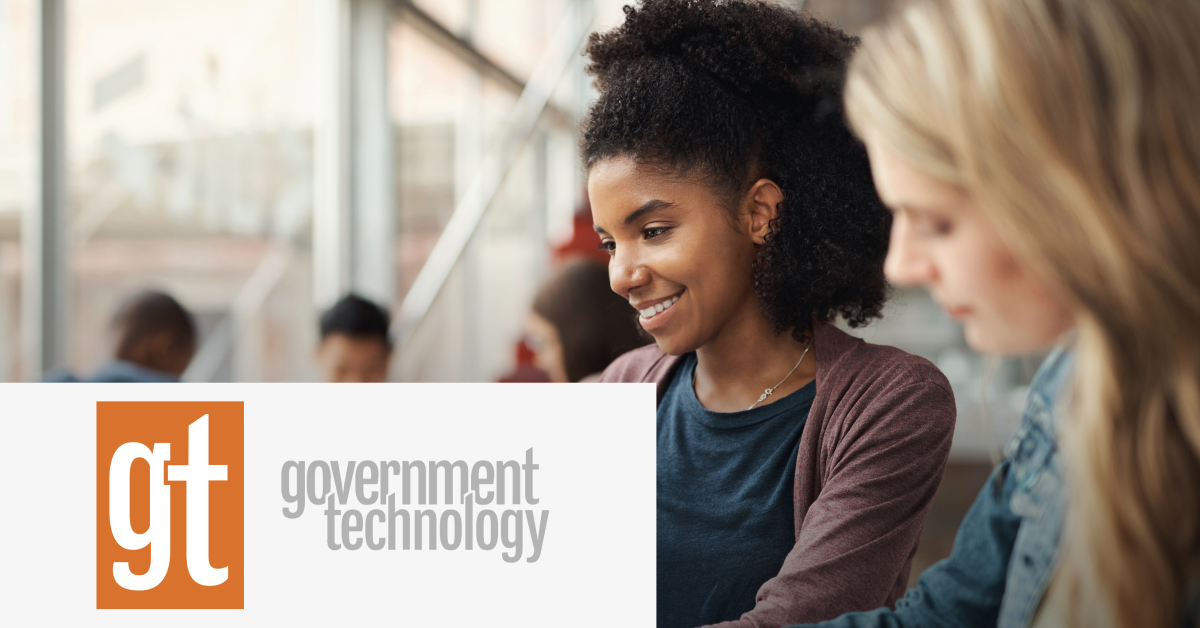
x=678, y=254
x=942, y=240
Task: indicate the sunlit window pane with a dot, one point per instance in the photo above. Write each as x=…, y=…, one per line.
x=190, y=158
x=18, y=137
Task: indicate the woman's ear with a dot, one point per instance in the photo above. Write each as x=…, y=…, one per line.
x=763, y=199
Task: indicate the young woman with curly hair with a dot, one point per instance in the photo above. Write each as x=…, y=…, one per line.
x=795, y=462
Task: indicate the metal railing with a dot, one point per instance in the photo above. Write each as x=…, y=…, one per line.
x=566, y=43
x=533, y=103
x=466, y=51
x=247, y=304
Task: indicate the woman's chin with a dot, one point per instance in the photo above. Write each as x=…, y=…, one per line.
x=1004, y=342
x=671, y=344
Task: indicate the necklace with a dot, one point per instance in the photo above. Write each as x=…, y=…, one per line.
x=768, y=392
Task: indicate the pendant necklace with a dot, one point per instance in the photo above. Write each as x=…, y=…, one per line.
x=768, y=392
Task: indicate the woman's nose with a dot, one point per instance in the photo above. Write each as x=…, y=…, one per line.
x=906, y=263
x=626, y=273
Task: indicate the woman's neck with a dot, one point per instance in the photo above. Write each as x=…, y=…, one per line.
x=737, y=366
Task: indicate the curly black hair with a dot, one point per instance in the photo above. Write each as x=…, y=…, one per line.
x=736, y=91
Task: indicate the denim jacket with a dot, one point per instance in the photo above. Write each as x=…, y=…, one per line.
x=1008, y=544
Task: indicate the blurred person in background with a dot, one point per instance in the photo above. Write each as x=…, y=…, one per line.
x=741, y=220
x=578, y=325
x=155, y=341
x=355, y=345
x=1042, y=160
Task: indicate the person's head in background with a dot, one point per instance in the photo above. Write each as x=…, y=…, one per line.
x=578, y=325
x=355, y=343
x=1042, y=160
x=153, y=331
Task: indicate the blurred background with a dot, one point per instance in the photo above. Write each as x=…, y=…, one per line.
x=258, y=159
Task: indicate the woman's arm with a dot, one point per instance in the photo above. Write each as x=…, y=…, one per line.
x=964, y=590
x=857, y=540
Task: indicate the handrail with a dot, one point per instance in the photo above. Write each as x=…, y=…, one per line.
x=468, y=53
x=533, y=101
x=463, y=49
x=249, y=300
x=566, y=43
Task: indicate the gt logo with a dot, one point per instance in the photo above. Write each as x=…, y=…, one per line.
x=196, y=476
x=146, y=453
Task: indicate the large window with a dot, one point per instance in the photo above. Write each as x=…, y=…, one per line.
x=190, y=169
x=18, y=125
x=450, y=113
x=209, y=153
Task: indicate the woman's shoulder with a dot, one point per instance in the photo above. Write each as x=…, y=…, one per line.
x=848, y=362
x=1038, y=429
x=644, y=364
x=869, y=395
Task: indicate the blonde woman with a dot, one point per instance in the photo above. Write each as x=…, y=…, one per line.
x=1042, y=160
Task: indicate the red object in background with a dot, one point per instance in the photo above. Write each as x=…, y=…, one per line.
x=584, y=242
x=525, y=372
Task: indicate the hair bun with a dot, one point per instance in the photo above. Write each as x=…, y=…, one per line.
x=787, y=54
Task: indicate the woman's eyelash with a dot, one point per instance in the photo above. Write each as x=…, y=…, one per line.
x=930, y=226
x=653, y=232
x=937, y=227
x=648, y=233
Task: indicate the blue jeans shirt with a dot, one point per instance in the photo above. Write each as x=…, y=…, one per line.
x=1008, y=544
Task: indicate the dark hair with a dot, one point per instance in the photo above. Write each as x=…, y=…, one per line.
x=148, y=314
x=595, y=325
x=355, y=316
x=736, y=91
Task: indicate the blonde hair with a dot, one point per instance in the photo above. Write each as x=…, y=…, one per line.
x=1075, y=124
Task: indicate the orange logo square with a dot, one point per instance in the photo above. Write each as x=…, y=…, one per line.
x=169, y=504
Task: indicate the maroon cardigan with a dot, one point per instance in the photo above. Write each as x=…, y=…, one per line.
x=871, y=458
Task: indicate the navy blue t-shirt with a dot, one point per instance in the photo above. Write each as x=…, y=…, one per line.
x=725, y=500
